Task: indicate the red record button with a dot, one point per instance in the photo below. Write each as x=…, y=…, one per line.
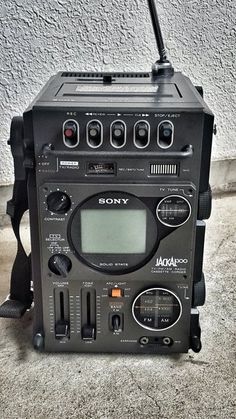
x=70, y=129
x=69, y=133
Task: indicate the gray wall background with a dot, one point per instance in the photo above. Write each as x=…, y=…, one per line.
x=41, y=37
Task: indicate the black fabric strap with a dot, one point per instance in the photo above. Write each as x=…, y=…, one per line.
x=21, y=296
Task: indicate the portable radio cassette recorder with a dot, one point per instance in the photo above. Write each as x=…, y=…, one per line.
x=114, y=168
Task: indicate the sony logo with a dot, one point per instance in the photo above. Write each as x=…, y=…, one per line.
x=113, y=201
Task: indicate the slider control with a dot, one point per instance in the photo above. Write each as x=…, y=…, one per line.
x=88, y=314
x=61, y=307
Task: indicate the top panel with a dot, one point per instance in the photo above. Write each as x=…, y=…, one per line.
x=118, y=92
x=122, y=90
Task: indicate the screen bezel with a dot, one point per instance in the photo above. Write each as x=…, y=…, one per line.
x=114, y=263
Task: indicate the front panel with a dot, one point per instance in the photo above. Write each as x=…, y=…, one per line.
x=117, y=208
x=114, y=249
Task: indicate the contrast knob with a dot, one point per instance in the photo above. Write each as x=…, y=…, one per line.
x=58, y=202
x=60, y=265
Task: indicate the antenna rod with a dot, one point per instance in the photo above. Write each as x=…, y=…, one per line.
x=157, y=31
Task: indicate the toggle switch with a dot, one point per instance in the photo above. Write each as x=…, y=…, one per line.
x=116, y=293
x=116, y=322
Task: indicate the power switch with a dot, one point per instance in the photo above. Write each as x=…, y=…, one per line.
x=116, y=293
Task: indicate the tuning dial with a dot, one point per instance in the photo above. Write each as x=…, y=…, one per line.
x=60, y=265
x=205, y=203
x=116, y=323
x=199, y=292
x=58, y=202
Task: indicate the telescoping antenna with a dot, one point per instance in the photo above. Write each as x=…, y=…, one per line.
x=163, y=66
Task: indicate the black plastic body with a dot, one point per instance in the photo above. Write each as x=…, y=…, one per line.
x=151, y=173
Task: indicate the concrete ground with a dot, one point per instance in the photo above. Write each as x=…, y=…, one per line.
x=49, y=386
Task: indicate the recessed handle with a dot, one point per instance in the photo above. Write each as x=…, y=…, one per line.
x=185, y=153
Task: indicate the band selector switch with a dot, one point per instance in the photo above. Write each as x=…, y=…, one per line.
x=116, y=322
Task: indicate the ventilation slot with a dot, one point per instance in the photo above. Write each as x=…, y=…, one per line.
x=101, y=75
x=164, y=169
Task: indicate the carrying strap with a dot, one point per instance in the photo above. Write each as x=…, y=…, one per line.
x=21, y=297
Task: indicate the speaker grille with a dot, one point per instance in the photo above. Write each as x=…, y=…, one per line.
x=164, y=169
x=101, y=75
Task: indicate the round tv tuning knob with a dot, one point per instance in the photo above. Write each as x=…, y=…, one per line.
x=58, y=202
x=60, y=265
